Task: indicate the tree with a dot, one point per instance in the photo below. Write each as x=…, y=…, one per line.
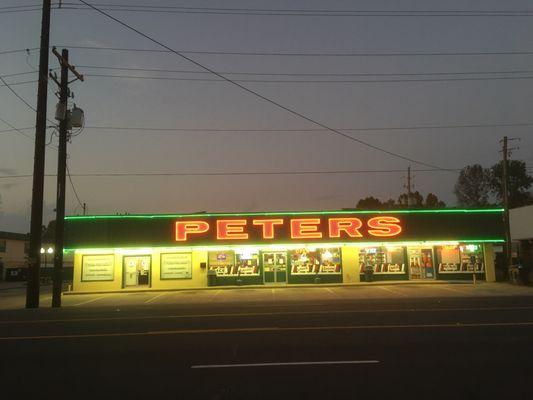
x=369, y=203
x=432, y=201
x=519, y=183
x=472, y=188
x=417, y=200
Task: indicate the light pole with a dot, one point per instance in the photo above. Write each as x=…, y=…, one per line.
x=49, y=250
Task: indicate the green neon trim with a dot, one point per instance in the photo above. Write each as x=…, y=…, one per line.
x=281, y=213
x=266, y=245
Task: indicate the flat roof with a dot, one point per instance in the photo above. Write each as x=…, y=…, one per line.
x=267, y=213
x=14, y=235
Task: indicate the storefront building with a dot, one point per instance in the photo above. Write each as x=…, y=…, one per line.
x=161, y=252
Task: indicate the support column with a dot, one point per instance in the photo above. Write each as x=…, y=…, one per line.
x=350, y=264
x=488, y=259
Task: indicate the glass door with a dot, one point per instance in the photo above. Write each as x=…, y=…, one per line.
x=137, y=270
x=275, y=267
x=421, y=265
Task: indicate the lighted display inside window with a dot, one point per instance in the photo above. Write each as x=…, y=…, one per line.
x=382, y=260
x=234, y=263
x=316, y=261
x=464, y=258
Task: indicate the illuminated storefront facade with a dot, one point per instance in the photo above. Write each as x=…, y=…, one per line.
x=198, y=250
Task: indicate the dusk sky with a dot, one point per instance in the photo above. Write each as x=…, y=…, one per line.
x=202, y=105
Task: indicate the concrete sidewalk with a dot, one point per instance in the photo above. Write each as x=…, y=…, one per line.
x=280, y=286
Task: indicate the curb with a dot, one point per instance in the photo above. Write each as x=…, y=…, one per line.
x=265, y=287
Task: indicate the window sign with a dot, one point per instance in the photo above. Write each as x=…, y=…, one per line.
x=316, y=261
x=247, y=262
x=98, y=267
x=222, y=262
x=176, y=266
x=382, y=260
x=461, y=259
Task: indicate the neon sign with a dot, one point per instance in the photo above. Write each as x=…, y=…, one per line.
x=286, y=228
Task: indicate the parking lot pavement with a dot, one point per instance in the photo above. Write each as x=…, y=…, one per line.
x=14, y=298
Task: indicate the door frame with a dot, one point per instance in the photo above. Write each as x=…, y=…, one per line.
x=276, y=253
x=124, y=270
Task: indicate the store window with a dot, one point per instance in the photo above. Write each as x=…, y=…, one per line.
x=383, y=260
x=176, y=266
x=325, y=261
x=234, y=263
x=464, y=258
x=247, y=262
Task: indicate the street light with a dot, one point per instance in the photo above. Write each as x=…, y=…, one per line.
x=44, y=251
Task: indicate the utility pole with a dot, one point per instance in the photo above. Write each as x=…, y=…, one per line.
x=34, y=256
x=64, y=121
x=84, y=208
x=409, y=195
x=505, y=197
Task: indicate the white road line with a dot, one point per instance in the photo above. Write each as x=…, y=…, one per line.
x=155, y=297
x=283, y=364
x=90, y=301
x=392, y=291
x=270, y=329
x=270, y=313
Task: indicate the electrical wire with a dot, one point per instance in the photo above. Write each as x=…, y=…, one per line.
x=304, y=13
x=346, y=53
x=16, y=94
x=73, y=187
x=299, y=73
x=307, y=54
x=163, y=78
x=233, y=173
x=15, y=129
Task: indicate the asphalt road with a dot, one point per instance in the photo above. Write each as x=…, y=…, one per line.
x=453, y=347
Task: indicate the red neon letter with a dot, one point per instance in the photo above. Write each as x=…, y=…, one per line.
x=305, y=228
x=268, y=226
x=349, y=225
x=231, y=229
x=184, y=228
x=384, y=226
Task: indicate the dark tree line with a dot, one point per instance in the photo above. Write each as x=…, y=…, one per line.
x=482, y=187
x=417, y=200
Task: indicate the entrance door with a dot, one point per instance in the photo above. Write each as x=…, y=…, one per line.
x=275, y=267
x=421, y=265
x=428, y=266
x=137, y=270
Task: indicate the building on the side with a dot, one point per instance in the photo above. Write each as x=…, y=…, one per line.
x=13, y=253
x=160, y=252
x=521, y=223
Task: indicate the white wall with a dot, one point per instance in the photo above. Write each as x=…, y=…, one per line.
x=521, y=220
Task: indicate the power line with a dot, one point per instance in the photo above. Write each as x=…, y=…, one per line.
x=309, y=81
x=257, y=94
x=15, y=129
x=293, y=130
x=233, y=173
x=297, y=73
x=73, y=187
x=344, y=53
x=309, y=54
x=306, y=13
x=17, y=95
x=367, y=129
